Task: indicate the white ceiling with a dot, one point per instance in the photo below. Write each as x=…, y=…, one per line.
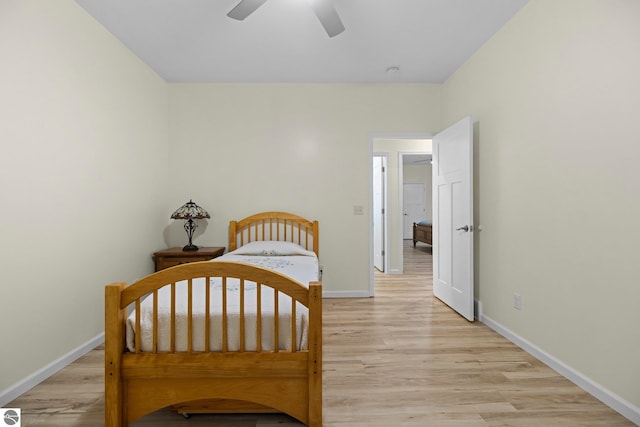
x=283, y=41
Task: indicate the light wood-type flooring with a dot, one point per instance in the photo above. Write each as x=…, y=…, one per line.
x=400, y=359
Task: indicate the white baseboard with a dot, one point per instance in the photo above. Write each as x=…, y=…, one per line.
x=607, y=397
x=40, y=375
x=345, y=294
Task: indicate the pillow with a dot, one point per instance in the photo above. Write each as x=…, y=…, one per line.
x=272, y=248
x=424, y=222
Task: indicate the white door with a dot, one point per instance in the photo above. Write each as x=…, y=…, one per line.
x=414, y=206
x=379, y=165
x=453, y=217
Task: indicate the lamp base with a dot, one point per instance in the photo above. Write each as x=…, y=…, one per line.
x=189, y=248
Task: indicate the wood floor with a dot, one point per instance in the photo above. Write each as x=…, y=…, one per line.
x=400, y=359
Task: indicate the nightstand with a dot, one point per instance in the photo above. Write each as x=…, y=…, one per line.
x=176, y=256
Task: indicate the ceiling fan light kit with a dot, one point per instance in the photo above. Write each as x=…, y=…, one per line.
x=324, y=10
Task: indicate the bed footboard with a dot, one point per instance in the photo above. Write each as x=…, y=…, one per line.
x=271, y=376
x=422, y=233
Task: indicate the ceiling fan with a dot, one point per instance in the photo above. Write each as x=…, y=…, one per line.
x=421, y=159
x=324, y=9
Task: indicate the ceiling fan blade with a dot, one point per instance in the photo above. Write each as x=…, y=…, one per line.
x=328, y=16
x=245, y=8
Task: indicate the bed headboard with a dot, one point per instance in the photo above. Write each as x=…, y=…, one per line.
x=279, y=226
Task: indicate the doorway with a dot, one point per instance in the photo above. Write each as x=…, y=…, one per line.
x=394, y=148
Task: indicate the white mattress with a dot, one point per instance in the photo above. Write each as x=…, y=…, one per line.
x=299, y=265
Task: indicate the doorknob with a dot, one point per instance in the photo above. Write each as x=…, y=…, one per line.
x=465, y=228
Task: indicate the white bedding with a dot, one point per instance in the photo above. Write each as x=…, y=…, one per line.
x=296, y=263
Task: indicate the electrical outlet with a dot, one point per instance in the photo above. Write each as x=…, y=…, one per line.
x=358, y=210
x=517, y=301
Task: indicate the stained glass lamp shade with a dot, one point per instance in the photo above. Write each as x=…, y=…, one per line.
x=190, y=211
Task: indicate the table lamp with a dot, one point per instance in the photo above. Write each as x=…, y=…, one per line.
x=190, y=211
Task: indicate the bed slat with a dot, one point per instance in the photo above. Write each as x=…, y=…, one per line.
x=173, y=317
x=207, y=315
x=190, y=316
x=294, y=324
x=155, y=321
x=225, y=338
x=276, y=322
x=242, y=324
x=137, y=341
x=259, y=318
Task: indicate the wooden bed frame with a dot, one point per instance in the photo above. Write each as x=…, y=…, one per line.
x=138, y=383
x=422, y=233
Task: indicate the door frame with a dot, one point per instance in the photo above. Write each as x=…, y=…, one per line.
x=389, y=207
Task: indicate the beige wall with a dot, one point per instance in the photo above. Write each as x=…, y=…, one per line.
x=555, y=96
x=84, y=147
x=240, y=149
